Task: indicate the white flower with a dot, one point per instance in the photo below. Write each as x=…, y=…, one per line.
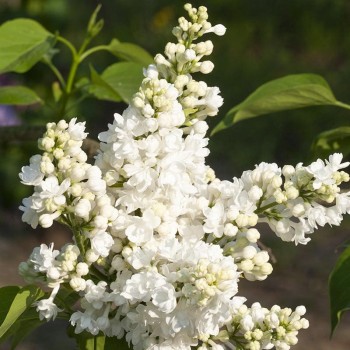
x=82, y=208
x=43, y=257
x=101, y=243
x=51, y=189
x=335, y=163
x=30, y=216
x=141, y=286
x=84, y=321
x=47, y=309
x=164, y=298
x=95, y=294
x=32, y=175
x=140, y=229
x=215, y=219
x=169, y=240
x=343, y=202
x=76, y=130
x=322, y=174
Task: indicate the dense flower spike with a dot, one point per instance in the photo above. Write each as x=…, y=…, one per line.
x=160, y=243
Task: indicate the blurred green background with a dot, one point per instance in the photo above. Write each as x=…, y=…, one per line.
x=265, y=39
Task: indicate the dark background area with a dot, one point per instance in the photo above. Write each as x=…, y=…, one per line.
x=265, y=40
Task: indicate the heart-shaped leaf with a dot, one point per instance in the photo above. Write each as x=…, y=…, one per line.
x=23, y=42
x=18, y=95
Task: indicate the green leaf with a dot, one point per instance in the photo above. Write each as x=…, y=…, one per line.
x=289, y=92
x=66, y=298
x=112, y=343
x=130, y=52
x=18, y=95
x=24, y=325
x=339, y=288
x=101, y=89
x=16, y=304
x=120, y=81
x=7, y=294
x=23, y=42
x=330, y=141
x=86, y=341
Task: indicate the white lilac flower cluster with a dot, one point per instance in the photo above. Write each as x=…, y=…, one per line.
x=160, y=243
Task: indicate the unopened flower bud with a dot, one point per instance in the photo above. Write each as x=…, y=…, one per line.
x=261, y=258
x=201, y=127
x=288, y=171
x=292, y=192
x=206, y=67
x=91, y=256
x=78, y=284
x=252, y=235
x=218, y=29
x=82, y=269
x=45, y=220
x=246, y=265
x=249, y=252
x=230, y=230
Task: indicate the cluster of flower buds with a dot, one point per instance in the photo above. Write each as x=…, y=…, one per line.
x=258, y=328
x=160, y=243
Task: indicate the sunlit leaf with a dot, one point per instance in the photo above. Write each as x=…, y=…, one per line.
x=7, y=295
x=339, y=288
x=130, y=52
x=15, y=306
x=18, y=95
x=23, y=42
x=119, y=81
x=290, y=92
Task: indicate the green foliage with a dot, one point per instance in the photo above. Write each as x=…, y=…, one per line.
x=339, y=288
x=290, y=92
x=86, y=341
x=18, y=95
x=26, y=323
x=14, y=301
x=330, y=141
x=130, y=52
x=23, y=43
x=66, y=298
x=117, y=82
